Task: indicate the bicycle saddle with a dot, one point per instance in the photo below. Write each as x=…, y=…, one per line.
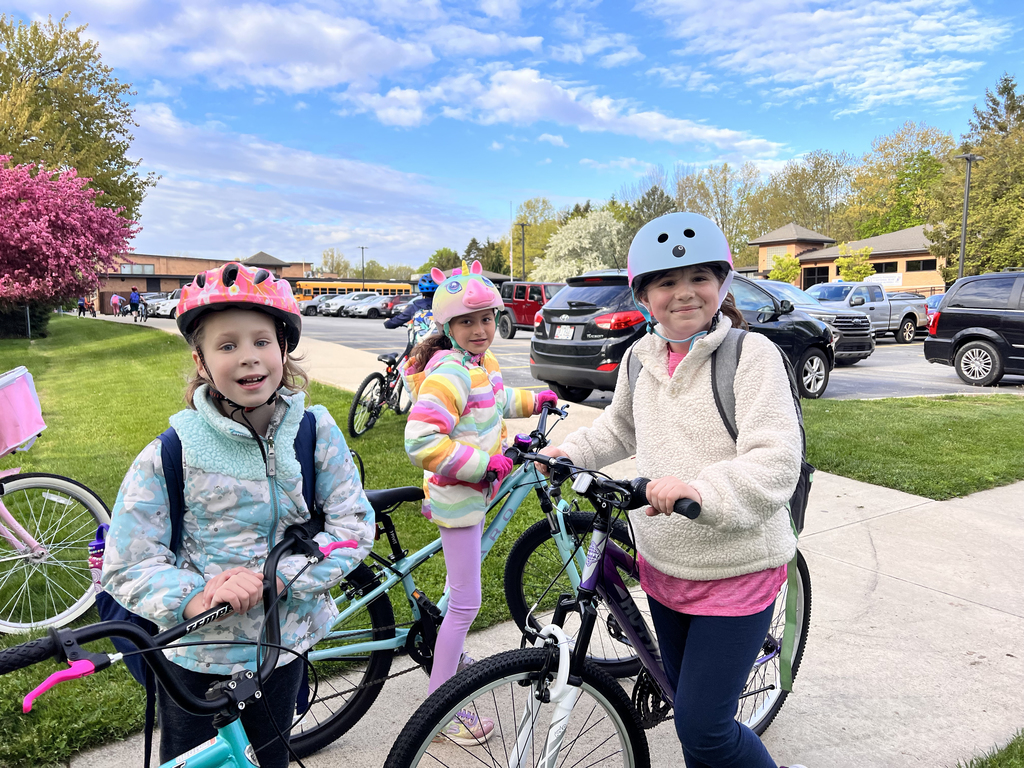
x=389, y=359
x=388, y=497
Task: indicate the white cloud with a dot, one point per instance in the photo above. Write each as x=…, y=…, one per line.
x=501, y=9
x=458, y=40
x=545, y=161
x=623, y=51
x=557, y=141
x=686, y=77
x=161, y=90
x=300, y=105
x=873, y=54
x=632, y=164
x=495, y=146
x=244, y=194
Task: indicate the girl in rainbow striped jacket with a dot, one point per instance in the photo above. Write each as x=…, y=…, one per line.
x=456, y=433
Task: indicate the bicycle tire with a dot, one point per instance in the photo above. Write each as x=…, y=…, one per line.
x=403, y=398
x=55, y=588
x=498, y=687
x=366, y=405
x=531, y=568
x=762, y=695
x=329, y=721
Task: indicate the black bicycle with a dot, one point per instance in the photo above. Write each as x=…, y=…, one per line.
x=379, y=391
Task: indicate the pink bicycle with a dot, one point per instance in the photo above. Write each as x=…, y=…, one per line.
x=46, y=524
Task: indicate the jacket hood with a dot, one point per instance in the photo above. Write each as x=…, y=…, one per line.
x=414, y=378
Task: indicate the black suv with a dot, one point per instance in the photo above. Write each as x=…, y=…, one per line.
x=979, y=328
x=580, y=336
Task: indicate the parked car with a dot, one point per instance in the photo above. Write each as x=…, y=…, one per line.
x=522, y=302
x=580, y=336
x=900, y=317
x=932, y=303
x=374, y=308
x=406, y=300
x=309, y=306
x=906, y=295
x=166, y=308
x=979, y=328
x=852, y=330
x=337, y=304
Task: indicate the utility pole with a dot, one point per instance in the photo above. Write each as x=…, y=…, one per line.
x=362, y=262
x=967, y=191
x=523, y=225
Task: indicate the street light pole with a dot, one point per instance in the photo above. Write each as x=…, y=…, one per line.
x=362, y=262
x=523, y=225
x=970, y=158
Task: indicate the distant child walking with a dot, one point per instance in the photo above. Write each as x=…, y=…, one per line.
x=242, y=489
x=456, y=433
x=711, y=582
x=133, y=303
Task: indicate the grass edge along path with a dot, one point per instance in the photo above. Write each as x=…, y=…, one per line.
x=107, y=390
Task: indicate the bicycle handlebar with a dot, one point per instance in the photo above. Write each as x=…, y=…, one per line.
x=35, y=651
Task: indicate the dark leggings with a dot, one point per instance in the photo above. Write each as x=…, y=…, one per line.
x=180, y=731
x=710, y=657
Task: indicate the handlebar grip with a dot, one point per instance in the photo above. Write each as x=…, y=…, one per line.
x=687, y=508
x=490, y=476
x=27, y=654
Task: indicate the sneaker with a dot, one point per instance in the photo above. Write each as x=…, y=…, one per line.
x=466, y=729
x=464, y=661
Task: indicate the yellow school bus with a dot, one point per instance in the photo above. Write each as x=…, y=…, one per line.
x=307, y=289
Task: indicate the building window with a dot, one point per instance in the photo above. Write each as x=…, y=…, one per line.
x=882, y=267
x=814, y=275
x=920, y=265
x=772, y=252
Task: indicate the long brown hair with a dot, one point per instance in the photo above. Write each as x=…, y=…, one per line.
x=729, y=308
x=425, y=350
x=294, y=378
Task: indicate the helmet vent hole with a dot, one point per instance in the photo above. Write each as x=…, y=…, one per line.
x=201, y=279
x=679, y=251
x=689, y=233
x=260, y=276
x=662, y=237
x=230, y=273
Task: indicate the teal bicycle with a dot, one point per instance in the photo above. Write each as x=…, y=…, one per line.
x=225, y=700
x=354, y=661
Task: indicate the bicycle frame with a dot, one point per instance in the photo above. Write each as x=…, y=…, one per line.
x=510, y=496
x=230, y=748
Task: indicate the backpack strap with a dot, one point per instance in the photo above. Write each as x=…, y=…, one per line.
x=724, y=362
x=633, y=367
x=174, y=475
x=305, y=452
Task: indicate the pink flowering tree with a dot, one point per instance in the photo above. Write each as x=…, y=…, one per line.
x=55, y=241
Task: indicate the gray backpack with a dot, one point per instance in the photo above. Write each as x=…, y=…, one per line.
x=724, y=362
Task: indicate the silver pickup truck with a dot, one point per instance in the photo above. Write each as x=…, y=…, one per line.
x=900, y=317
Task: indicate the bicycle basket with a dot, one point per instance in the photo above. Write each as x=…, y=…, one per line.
x=21, y=419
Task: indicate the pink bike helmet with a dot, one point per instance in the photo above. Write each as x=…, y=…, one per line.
x=237, y=286
x=467, y=290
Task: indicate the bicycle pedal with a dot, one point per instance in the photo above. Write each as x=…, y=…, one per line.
x=426, y=605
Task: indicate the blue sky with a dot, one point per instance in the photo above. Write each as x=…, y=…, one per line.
x=408, y=126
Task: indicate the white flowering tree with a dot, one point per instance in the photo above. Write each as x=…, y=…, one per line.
x=582, y=244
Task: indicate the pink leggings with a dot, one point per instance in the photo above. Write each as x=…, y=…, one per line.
x=461, y=548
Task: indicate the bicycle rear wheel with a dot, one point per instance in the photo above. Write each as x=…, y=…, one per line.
x=366, y=405
x=348, y=683
x=403, y=398
x=762, y=696
x=602, y=729
x=534, y=566
x=47, y=584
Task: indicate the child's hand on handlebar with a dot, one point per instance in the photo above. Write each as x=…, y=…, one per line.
x=554, y=453
x=663, y=493
x=240, y=587
x=500, y=466
x=547, y=396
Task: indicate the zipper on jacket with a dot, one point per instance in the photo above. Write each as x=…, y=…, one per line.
x=271, y=459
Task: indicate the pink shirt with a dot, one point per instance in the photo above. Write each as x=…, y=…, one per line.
x=742, y=595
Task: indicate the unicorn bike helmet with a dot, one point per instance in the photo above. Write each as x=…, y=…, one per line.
x=673, y=241
x=466, y=291
x=235, y=286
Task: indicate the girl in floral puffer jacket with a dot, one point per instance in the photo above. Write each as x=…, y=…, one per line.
x=242, y=488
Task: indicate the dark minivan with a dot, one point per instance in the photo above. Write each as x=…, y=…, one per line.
x=979, y=328
x=581, y=335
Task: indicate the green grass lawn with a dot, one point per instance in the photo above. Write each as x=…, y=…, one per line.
x=107, y=390
x=1010, y=756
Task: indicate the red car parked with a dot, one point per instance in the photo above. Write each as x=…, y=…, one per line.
x=522, y=303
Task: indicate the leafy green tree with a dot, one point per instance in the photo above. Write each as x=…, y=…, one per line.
x=581, y=245
x=853, y=266
x=722, y=193
x=61, y=107
x=444, y=259
x=1003, y=110
x=334, y=262
x=786, y=268
x=542, y=222
x=494, y=256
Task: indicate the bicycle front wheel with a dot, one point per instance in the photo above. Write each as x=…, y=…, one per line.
x=366, y=405
x=602, y=727
x=762, y=696
x=534, y=576
x=403, y=398
x=348, y=682
x=46, y=524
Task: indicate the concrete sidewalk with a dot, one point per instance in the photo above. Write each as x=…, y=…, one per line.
x=915, y=653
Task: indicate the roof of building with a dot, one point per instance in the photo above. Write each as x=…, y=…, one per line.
x=263, y=259
x=909, y=240
x=791, y=233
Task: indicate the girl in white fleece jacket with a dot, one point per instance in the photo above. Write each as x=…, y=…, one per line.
x=712, y=581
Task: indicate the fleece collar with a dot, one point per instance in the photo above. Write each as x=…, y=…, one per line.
x=653, y=351
x=212, y=442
